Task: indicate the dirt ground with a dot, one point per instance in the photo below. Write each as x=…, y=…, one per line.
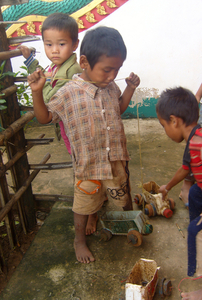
x=153, y=157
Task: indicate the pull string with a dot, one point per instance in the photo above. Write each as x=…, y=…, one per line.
x=140, y=154
x=187, y=278
x=66, y=79
x=140, y=151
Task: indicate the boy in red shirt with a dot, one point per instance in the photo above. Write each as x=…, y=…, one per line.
x=178, y=112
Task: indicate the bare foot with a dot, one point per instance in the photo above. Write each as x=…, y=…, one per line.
x=91, y=224
x=195, y=295
x=83, y=254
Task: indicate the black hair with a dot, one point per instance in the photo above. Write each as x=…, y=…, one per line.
x=179, y=102
x=102, y=41
x=61, y=22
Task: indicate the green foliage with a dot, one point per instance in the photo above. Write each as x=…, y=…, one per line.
x=2, y=101
x=2, y=75
x=24, y=92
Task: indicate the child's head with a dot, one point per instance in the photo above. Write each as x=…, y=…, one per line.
x=60, y=37
x=104, y=46
x=175, y=107
x=61, y=22
x=180, y=103
x=102, y=41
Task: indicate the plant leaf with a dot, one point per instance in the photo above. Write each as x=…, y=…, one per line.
x=2, y=107
x=2, y=101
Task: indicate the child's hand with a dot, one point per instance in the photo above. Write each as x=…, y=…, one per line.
x=133, y=81
x=36, y=80
x=163, y=190
x=25, y=51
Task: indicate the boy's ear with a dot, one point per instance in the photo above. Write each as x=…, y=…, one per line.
x=75, y=45
x=175, y=120
x=83, y=62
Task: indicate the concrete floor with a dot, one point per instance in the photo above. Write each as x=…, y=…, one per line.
x=49, y=269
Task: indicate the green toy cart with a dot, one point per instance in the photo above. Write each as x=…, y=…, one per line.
x=130, y=223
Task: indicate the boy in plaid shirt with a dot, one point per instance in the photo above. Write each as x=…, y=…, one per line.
x=90, y=107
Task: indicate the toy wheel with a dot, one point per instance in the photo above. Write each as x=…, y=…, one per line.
x=138, y=199
x=165, y=287
x=171, y=203
x=105, y=235
x=149, y=210
x=134, y=237
x=147, y=229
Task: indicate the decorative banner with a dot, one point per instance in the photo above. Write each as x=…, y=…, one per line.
x=85, y=12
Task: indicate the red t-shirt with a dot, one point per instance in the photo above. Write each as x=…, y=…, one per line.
x=195, y=148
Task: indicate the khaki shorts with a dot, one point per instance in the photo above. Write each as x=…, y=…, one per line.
x=89, y=195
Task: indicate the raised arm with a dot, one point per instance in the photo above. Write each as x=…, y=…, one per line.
x=199, y=94
x=132, y=83
x=36, y=81
x=26, y=52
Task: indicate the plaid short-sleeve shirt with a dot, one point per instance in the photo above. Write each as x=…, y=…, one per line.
x=92, y=121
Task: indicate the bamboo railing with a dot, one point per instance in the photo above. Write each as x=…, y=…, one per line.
x=12, y=139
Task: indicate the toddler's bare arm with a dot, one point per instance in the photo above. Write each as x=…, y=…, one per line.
x=36, y=81
x=25, y=51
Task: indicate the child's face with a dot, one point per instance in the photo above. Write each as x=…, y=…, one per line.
x=58, y=45
x=172, y=128
x=103, y=72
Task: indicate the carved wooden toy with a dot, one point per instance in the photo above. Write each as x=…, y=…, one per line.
x=152, y=203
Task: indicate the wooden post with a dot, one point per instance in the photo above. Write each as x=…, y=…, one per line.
x=15, y=127
x=9, y=218
x=10, y=163
x=22, y=190
x=17, y=142
x=8, y=54
x=9, y=91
